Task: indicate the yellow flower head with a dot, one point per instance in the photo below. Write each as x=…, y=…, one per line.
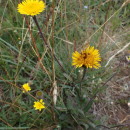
x=31, y=7
x=39, y=105
x=26, y=87
x=89, y=58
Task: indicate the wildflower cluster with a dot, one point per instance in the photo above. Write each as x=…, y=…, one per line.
x=38, y=105
x=88, y=57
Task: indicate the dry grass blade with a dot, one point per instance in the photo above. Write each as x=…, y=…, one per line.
x=55, y=92
x=121, y=50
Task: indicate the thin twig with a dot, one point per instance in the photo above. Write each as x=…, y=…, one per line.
x=37, y=53
x=117, y=53
x=45, y=41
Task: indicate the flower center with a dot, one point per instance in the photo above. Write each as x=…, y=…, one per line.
x=39, y=105
x=85, y=55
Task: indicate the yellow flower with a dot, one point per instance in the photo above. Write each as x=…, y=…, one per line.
x=26, y=87
x=31, y=7
x=128, y=58
x=39, y=105
x=89, y=58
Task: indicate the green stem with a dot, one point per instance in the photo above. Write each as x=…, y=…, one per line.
x=84, y=72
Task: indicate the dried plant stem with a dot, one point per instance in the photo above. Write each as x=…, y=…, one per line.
x=37, y=53
x=117, y=53
x=14, y=85
x=54, y=85
x=52, y=41
x=45, y=41
x=6, y=123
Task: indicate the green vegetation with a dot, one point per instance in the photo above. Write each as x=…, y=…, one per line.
x=67, y=25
